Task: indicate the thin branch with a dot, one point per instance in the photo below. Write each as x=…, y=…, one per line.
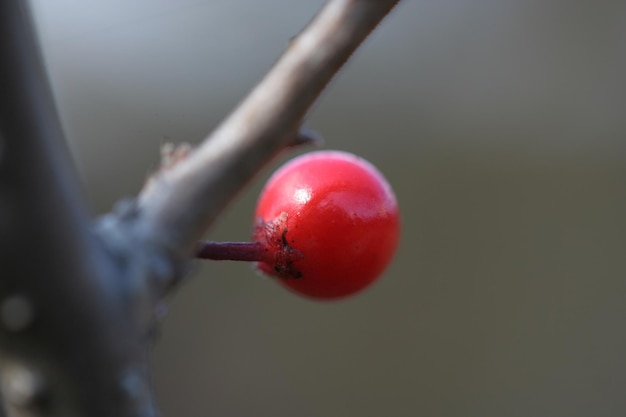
x=233, y=251
x=179, y=204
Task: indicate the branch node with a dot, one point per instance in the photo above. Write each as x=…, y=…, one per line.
x=306, y=136
x=172, y=154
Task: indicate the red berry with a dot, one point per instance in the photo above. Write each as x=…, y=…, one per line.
x=329, y=222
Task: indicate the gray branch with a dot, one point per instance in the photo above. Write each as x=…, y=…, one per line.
x=78, y=302
x=66, y=345
x=179, y=204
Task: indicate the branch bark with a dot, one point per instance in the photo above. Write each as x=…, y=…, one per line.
x=179, y=204
x=67, y=347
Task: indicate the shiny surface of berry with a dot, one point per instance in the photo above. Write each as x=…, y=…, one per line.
x=330, y=224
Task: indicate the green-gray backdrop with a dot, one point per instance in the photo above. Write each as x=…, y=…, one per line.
x=501, y=125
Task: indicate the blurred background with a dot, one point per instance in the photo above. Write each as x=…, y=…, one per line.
x=501, y=125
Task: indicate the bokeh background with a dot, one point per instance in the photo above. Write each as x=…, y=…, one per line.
x=501, y=125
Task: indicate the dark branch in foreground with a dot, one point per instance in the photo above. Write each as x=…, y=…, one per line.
x=66, y=346
x=76, y=302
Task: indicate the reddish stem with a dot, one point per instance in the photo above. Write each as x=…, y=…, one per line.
x=232, y=251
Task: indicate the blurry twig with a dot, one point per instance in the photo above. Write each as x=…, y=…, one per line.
x=179, y=204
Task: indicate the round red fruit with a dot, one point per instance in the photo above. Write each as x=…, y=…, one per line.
x=329, y=222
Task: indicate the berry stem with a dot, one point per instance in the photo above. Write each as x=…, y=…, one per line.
x=232, y=251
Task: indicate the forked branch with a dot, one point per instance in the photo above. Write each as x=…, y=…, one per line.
x=77, y=309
